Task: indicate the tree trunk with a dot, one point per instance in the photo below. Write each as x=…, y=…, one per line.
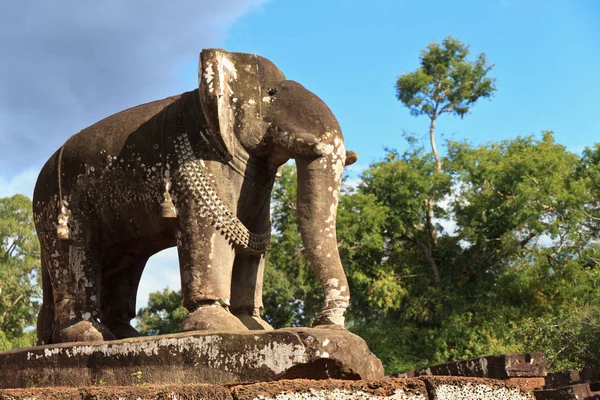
x=438, y=162
x=435, y=269
x=429, y=203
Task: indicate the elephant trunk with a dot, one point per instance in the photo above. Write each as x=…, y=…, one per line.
x=319, y=183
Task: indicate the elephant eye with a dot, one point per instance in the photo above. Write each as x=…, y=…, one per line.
x=272, y=91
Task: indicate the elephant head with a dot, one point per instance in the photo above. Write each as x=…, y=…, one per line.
x=255, y=111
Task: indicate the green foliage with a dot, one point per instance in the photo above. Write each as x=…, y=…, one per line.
x=569, y=340
x=19, y=273
x=511, y=228
x=446, y=82
x=164, y=313
x=291, y=293
x=514, y=237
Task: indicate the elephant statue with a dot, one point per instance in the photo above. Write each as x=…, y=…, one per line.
x=193, y=171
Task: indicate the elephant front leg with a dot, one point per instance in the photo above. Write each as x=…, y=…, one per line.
x=206, y=262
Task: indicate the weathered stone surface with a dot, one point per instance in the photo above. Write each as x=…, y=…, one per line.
x=590, y=373
x=194, y=357
x=424, y=388
x=194, y=171
x=409, y=389
x=495, y=367
x=166, y=392
x=563, y=378
x=574, y=392
x=462, y=388
x=527, y=383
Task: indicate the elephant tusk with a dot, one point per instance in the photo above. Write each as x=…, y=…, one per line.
x=351, y=157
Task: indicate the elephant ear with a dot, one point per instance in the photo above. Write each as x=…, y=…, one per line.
x=217, y=75
x=234, y=93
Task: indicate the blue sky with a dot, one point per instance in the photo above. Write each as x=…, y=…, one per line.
x=546, y=57
x=62, y=71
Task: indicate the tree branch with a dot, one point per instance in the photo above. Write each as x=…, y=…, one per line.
x=14, y=303
x=491, y=186
x=427, y=253
x=438, y=161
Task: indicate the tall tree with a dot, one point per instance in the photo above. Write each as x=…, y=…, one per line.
x=521, y=260
x=445, y=83
x=521, y=271
x=19, y=272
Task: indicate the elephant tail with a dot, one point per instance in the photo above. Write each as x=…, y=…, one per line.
x=62, y=228
x=45, y=322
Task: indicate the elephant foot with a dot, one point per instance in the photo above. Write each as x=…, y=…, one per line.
x=211, y=317
x=253, y=322
x=82, y=331
x=332, y=318
x=122, y=330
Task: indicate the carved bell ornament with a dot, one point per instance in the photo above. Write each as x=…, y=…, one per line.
x=167, y=208
x=62, y=228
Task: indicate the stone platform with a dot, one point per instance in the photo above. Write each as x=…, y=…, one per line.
x=192, y=358
x=421, y=388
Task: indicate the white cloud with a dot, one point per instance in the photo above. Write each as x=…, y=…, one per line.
x=22, y=183
x=65, y=64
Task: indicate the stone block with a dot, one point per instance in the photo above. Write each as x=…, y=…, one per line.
x=590, y=373
x=496, y=367
x=532, y=383
x=167, y=392
x=580, y=391
x=459, y=388
x=194, y=357
x=423, y=388
x=563, y=378
x=400, y=389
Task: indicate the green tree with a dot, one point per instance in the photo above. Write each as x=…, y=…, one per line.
x=292, y=294
x=519, y=258
x=517, y=236
x=445, y=83
x=19, y=273
x=164, y=313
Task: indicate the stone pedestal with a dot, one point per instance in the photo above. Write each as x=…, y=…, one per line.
x=194, y=357
x=421, y=388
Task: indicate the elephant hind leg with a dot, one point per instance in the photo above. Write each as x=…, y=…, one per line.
x=120, y=282
x=246, y=291
x=72, y=267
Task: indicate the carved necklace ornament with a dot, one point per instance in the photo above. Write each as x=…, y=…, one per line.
x=195, y=181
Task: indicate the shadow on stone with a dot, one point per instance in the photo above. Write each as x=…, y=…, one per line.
x=320, y=369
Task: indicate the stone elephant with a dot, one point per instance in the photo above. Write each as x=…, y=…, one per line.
x=193, y=171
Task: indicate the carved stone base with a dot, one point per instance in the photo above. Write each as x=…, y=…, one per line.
x=194, y=357
x=422, y=388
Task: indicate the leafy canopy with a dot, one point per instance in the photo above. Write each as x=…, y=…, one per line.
x=446, y=81
x=19, y=273
x=517, y=241
x=164, y=313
